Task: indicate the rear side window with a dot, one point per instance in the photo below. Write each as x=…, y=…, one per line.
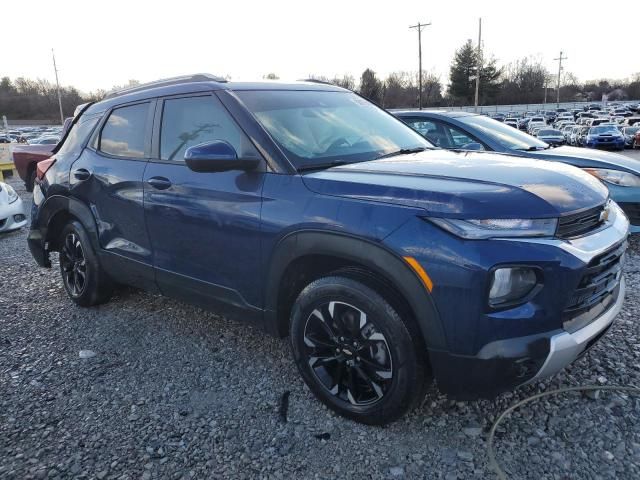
x=124, y=131
x=194, y=120
x=78, y=134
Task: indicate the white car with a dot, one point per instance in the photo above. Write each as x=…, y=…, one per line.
x=12, y=214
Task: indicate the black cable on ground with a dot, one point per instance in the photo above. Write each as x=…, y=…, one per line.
x=490, y=451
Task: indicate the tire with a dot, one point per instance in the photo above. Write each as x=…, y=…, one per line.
x=84, y=279
x=374, y=380
x=31, y=181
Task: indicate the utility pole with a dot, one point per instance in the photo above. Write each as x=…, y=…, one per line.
x=559, y=60
x=479, y=66
x=420, y=27
x=55, y=69
x=546, y=80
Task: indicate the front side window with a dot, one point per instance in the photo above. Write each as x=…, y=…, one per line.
x=460, y=139
x=194, y=120
x=317, y=127
x=503, y=134
x=124, y=131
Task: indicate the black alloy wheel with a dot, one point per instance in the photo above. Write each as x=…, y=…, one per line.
x=83, y=277
x=73, y=265
x=348, y=355
x=356, y=353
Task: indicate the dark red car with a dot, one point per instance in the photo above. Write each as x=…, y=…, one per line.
x=636, y=140
x=26, y=157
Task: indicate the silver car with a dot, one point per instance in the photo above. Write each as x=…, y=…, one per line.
x=12, y=213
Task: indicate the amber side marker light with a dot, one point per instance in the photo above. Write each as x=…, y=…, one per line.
x=413, y=263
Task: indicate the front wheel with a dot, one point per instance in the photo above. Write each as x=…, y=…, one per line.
x=355, y=352
x=84, y=279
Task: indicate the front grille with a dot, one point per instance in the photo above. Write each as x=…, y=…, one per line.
x=578, y=224
x=597, y=290
x=632, y=211
x=2, y=222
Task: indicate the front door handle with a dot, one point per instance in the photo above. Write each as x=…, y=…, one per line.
x=160, y=183
x=82, y=174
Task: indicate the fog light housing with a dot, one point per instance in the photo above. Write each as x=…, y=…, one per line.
x=18, y=218
x=511, y=285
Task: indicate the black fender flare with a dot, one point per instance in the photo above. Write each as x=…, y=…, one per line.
x=56, y=204
x=372, y=255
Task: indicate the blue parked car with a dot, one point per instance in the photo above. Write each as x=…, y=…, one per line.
x=468, y=131
x=313, y=213
x=605, y=136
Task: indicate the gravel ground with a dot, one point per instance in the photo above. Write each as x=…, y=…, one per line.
x=176, y=392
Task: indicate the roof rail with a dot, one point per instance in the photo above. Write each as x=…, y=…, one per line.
x=198, y=77
x=315, y=80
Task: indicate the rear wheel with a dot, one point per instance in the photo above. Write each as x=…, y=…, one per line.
x=84, y=279
x=355, y=352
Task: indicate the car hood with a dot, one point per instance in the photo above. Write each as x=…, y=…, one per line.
x=465, y=184
x=586, y=157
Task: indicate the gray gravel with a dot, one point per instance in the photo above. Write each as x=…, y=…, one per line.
x=147, y=387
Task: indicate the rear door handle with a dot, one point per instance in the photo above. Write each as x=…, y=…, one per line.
x=160, y=183
x=82, y=174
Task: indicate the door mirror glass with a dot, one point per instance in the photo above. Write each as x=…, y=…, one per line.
x=217, y=156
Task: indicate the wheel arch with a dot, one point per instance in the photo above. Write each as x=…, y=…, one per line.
x=329, y=251
x=57, y=211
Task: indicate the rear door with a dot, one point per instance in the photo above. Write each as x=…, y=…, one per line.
x=108, y=179
x=204, y=227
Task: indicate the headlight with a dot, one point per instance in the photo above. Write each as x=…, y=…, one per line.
x=13, y=196
x=616, y=177
x=491, y=228
x=511, y=284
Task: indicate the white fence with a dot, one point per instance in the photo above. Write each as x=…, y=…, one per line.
x=529, y=107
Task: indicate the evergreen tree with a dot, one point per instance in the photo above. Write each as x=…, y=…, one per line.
x=370, y=86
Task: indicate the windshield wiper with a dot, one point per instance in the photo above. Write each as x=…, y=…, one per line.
x=403, y=151
x=321, y=166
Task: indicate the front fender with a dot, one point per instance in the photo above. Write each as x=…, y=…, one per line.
x=369, y=254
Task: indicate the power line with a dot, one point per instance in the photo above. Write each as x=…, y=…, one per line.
x=420, y=27
x=55, y=69
x=559, y=60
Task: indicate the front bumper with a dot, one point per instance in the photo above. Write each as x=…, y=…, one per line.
x=488, y=352
x=619, y=145
x=12, y=216
x=566, y=347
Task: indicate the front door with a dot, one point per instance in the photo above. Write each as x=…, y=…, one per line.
x=204, y=227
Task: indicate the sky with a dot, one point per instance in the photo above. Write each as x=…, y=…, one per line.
x=99, y=44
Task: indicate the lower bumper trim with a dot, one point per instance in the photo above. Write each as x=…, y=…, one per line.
x=566, y=347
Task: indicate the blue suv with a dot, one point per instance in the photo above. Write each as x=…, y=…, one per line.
x=315, y=214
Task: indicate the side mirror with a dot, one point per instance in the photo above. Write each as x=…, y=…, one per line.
x=472, y=146
x=217, y=156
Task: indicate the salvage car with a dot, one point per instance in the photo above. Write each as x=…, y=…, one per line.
x=620, y=174
x=551, y=136
x=12, y=213
x=26, y=157
x=605, y=136
x=314, y=213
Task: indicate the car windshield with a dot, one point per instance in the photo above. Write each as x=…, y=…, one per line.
x=603, y=129
x=503, y=134
x=549, y=133
x=631, y=130
x=323, y=127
